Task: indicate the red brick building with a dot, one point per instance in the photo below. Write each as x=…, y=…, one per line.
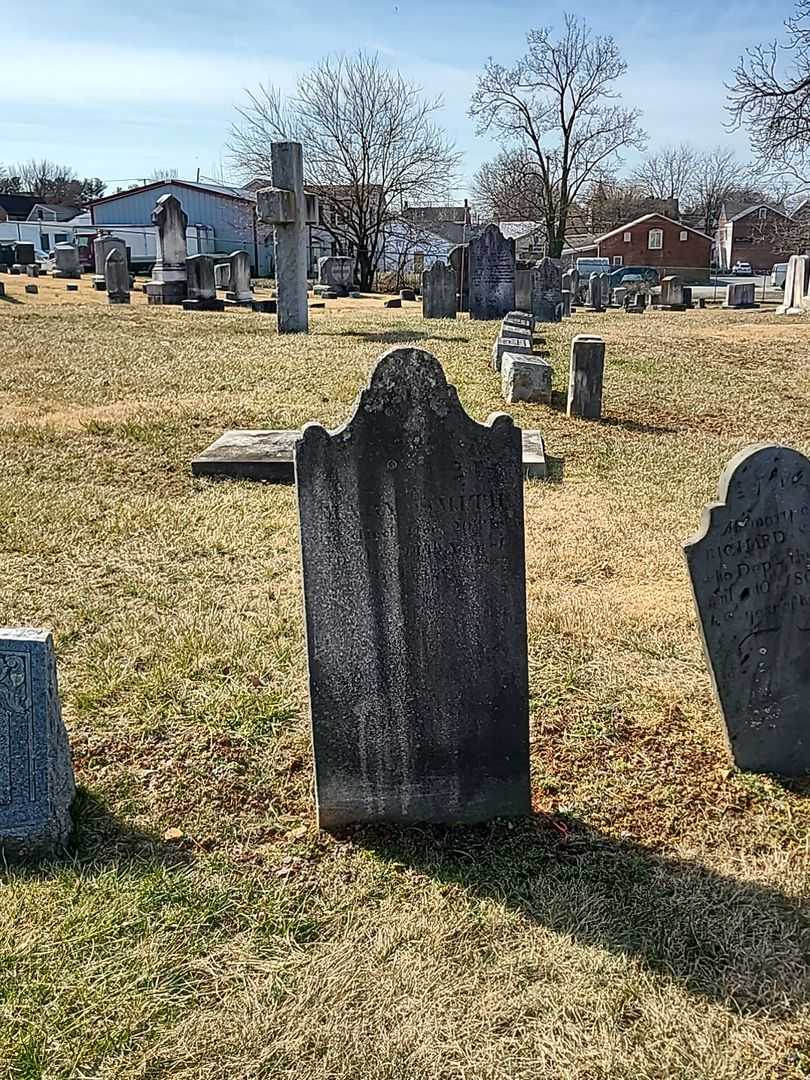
x=756, y=236
x=653, y=240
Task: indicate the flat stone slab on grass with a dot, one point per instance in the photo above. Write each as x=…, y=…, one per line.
x=244, y=454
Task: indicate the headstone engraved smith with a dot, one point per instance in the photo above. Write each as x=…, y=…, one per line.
x=750, y=570
x=415, y=607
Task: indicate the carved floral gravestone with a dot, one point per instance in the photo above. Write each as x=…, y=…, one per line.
x=413, y=564
x=750, y=570
x=492, y=274
x=36, y=776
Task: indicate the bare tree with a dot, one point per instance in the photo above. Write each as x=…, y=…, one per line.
x=770, y=98
x=508, y=188
x=558, y=107
x=668, y=173
x=55, y=183
x=162, y=174
x=718, y=179
x=371, y=146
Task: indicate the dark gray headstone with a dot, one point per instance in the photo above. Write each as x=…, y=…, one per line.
x=492, y=274
x=24, y=253
x=523, y=287
x=547, y=301
x=750, y=570
x=411, y=520
x=585, y=376
x=439, y=286
x=36, y=777
x=459, y=259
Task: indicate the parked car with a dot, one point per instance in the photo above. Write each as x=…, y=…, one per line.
x=633, y=275
x=742, y=269
x=778, y=275
x=586, y=267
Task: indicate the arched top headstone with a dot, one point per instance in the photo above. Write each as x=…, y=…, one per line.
x=749, y=565
x=414, y=593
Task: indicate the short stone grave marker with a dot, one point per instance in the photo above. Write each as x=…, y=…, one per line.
x=585, y=377
x=439, y=287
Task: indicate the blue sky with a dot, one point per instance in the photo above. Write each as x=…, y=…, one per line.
x=117, y=90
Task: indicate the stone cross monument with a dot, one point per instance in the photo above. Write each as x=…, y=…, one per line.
x=289, y=210
x=168, y=284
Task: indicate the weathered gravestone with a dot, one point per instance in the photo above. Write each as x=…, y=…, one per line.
x=116, y=276
x=169, y=280
x=335, y=274
x=222, y=274
x=459, y=259
x=36, y=777
x=439, y=286
x=411, y=521
x=290, y=211
x=32, y=289
x=523, y=286
x=23, y=253
x=585, y=377
x=797, y=279
x=525, y=378
x=740, y=294
x=672, y=293
x=595, y=293
x=102, y=246
x=547, y=301
x=239, y=294
x=201, y=285
x=492, y=274
x=604, y=281
x=66, y=261
x=750, y=570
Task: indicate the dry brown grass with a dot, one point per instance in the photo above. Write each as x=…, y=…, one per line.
x=650, y=922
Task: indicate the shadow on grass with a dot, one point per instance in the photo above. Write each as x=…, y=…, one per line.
x=555, y=469
x=10, y=299
x=393, y=337
x=743, y=945
x=100, y=841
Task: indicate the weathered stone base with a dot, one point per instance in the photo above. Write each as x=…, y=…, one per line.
x=265, y=307
x=204, y=305
x=268, y=455
x=526, y=379
x=66, y=274
x=119, y=298
x=99, y=284
x=165, y=292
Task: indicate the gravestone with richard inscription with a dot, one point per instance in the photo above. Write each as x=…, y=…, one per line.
x=411, y=520
x=750, y=570
x=492, y=274
x=36, y=777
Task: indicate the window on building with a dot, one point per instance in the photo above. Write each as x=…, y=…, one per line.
x=418, y=262
x=618, y=260
x=684, y=235
x=627, y=237
x=60, y=238
x=655, y=239
x=762, y=213
x=44, y=241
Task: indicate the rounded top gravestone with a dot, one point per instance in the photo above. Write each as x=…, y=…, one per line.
x=414, y=595
x=749, y=566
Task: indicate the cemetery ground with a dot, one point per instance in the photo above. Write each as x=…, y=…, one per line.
x=650, y=920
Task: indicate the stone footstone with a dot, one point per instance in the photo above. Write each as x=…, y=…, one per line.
x=72, y=288
x=209, y=304
x=407, y=294
x=524, y=379
x=509, y=344
x=355, y=296
x=264, y=307
x=741, y=294
x=268, y=455
x=395, y=303
x=748, y=569
x=585, y=377
x=36, y=780
x=32, y=289
x=411, y=526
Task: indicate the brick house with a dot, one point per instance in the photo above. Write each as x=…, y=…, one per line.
x=653, y=240
x=755, y=235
